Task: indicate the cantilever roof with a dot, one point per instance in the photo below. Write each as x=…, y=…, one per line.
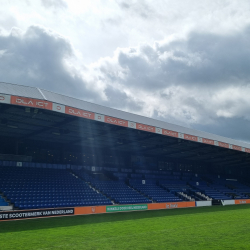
x=38, y=98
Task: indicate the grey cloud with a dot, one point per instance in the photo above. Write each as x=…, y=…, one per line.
x=235, y=128
x=54, y=4
x=200, y=60
x=37, y=58
x=120, y=100
x=7, y=22
x=201, y=81
x=175, y=81
x=138, y=8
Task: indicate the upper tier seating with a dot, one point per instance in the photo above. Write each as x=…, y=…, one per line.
x=46, y=188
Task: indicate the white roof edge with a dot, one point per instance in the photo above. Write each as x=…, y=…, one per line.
x=96, y=108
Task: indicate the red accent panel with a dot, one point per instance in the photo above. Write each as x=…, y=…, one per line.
x=145, y=127
x=223, y=144
x=207, y=141
x=242, y=201
x=29, y=102
x=236, y=147
x=116, y=121
x=80, y=113
x=190, y=137
x=247, y=150
x=169, y=133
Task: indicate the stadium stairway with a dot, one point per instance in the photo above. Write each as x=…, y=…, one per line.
x=154, y=192
x=119, y=192
x=209, y=191
x=90, y=178
x=113, y=186
x=3, y=202
x=228, y=187
x=180, y=188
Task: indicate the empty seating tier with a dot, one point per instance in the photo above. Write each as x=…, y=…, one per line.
x=46, y=188
x=3, y=202
x=154, y=192
x=119, y=192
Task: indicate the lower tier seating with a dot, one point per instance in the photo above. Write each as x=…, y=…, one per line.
x=46, y=188
x=39, y=187
x=3, y=202
x=119, y=192
x=154, y=192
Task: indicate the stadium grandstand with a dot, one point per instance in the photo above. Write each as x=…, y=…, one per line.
x=58, y=153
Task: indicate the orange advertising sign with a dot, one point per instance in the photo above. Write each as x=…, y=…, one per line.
x=223, y=144
x=116, y=121
x=190, y=137
x=242, y=201
x=170, y=205
x=80, y=113
x=30, y=102
x=247, y=150
x=180, y=204
x=152, y=206
x=145, y=127
x=207, y=141
x=236, y=147
x=169, y=133
x=90, y=210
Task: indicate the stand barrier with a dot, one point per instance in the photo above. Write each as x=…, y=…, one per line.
x=52, y=212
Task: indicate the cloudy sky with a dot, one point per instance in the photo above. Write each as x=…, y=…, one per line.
x=184, y=62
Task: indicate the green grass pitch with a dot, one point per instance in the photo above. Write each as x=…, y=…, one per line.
x=215, y=227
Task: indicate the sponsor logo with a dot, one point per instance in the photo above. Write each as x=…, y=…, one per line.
x=224, y=145
x=126, y=208
x=2, y=98
x=80, y=113
x=247, y=150
x=119, y=122
x=35, y=213
x=243, y=202
x=236, y=147
x=169, y=133
x=207, y=141
x=93, y=209
x=116, y=121
x=190, y=137
x=58, y=107
x=32, y=103
x=174, y=205
x=99, y=117
x=145, y=127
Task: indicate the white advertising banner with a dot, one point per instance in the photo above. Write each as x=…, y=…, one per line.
x=203, y=203
x=4, y=98
x=228, y=202
x=58, y=107
x=132, y=125
x=158, y=131
x=99, y=117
